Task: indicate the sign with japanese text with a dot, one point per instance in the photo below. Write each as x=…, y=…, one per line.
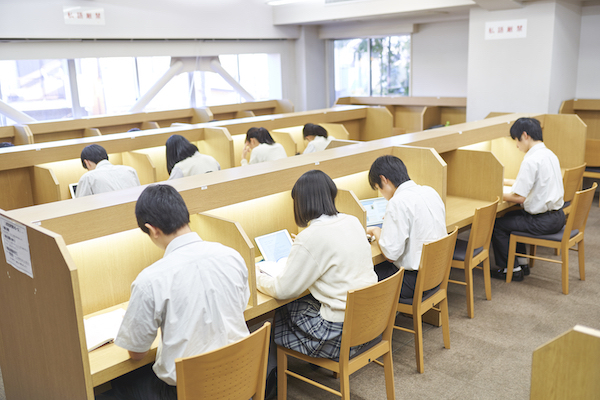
x=506, y=29
x=83, y=15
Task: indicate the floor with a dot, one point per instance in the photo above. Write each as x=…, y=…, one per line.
x=490, y=355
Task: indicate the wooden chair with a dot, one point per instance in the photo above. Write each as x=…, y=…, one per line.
x=572, y=180
x=370, y=312
x=470, y=254
x=571, y=234
x=235, y=371
x=434, y=271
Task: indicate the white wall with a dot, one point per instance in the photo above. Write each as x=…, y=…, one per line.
x=588, y=71
x=440, y=59
x=148, y=19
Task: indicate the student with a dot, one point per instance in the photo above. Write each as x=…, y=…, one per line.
x=329, y=257
x=415, y=215
x=184, y=159
x=6, y=144
x=102, y=176
x=263, y=147
x=196, y=294
x=539, y=188
x=317, y=138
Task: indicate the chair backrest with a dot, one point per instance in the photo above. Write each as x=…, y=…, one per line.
x=572, y=181
x=482, y=227
x=235, y=371
x=434, y=269
x=581, y=208
x=371, y=311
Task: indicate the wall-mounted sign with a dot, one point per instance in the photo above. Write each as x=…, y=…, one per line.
x=83, y=15
x=16, y=245
x=506, y=29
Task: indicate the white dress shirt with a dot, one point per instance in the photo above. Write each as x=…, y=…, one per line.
x=265, y=152
x=540, y=181
x=106, y=178
x=415, y=215
x=319, y=143
x=196, y=294
x=328, y=258
x=194, y=165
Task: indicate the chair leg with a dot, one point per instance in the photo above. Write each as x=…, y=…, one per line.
x=418, y=328
x=532, y=250
x=345, y=385
x=469, y=289
x=388, y=367
x=487, y=279
x=510, y=263
x=581, y=257
x=445, y=322
x=565, y=269
x=282, y=364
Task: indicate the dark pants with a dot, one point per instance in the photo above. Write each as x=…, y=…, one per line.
x=386, y=269
x=141, y=384
x=520, y=220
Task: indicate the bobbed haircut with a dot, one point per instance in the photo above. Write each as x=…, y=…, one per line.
x=530, y=125
x=94, y=153
x=260, y=134
x=391, y=167
x=313, y=130
x=162, y=207
x=178, y=149
x=6, y=144
x=314, y=195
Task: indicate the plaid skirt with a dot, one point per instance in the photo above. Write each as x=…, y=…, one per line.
x=300, y=327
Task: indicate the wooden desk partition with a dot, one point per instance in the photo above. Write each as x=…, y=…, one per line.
x=589, y=112
x=568, y=367
x=293, y=141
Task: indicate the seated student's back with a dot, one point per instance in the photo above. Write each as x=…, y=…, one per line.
x=262, y=146
x=317, y=138
x=184, y=159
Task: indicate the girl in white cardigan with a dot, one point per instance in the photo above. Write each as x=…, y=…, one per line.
x=183, y=159
x=329, y=258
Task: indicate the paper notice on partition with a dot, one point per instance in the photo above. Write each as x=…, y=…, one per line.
x=16, y=245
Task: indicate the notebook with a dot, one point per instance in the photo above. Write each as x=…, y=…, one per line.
x=73, y=189
x=103, y=328
x=275, y=248
x=375, y=208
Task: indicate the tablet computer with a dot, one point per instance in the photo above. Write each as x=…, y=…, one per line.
x=274, y=246
x=375, y=208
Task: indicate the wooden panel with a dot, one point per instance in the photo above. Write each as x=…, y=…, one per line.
x=510, y=157
x=23, y=135
x=290, y=138
x=571, y=151
x=567, y=367
x=474, y=174
x=45, y=185
x=144, y=165
x=592, y=120
x=109, y=264
x=405, y=101
x=16, y=190
x=91, y=132
x=338, y=131
x=592, y=153
x=7, y=133
x=586, y=104
x=219, y=144
x=409, y=118
x=346, y=202
x=453, y=115
x=358, y=184
x=65, y=172
x=566, y=107
x=245, y=114
x=231, y=234
x=377, y=125
x=432, y=116
x=425, y=167
x=43, y=356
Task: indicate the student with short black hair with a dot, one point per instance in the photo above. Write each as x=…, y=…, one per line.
x=102, y=176
x=196, y=294
x=329, y=257
x=317, y=138
x=6, y=144
x=539, y=188
x=184, y=159
x=415, y=215
x=260, y=142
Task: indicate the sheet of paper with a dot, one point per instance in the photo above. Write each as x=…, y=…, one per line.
x=102, y=328
x=272, y=268
x=16, y=245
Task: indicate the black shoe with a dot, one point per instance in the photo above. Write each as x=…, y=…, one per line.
x=518, y=276
x=525, y=269
x=271, y=386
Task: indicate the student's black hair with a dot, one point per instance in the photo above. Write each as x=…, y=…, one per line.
x=6, y=144
x=313, y=130
x=530, y=125
x=314, y=195
x=260, y=134
x=162, y=207
x=391, y=167
x=94, y=153
x=178, y=149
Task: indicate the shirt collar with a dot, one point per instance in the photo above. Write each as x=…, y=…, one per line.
x=406, y=185
x=324, y=218
x=181, y=241
x=103, y=163
x=535, y=148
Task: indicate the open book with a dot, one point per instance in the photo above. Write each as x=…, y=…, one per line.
x=102, y=328
x=275, y=248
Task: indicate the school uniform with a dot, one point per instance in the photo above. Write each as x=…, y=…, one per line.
x=415, y=215
x=107, y=177
x=329, y=258
x=540, y=181
x=265, y=152
x=197, y=164
x=319, y=143
x=196, y=294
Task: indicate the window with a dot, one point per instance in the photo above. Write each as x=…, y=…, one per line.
x=372, y=67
